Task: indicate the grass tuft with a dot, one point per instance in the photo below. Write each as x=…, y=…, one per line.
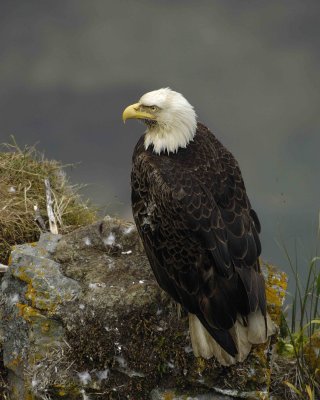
x=22, y=174
x=296, y=372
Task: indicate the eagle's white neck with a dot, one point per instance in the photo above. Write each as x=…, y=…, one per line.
x=169, y=139
x=176, y=122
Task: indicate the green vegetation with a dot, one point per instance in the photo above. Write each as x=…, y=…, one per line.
x=22, y=174
x=298, y=364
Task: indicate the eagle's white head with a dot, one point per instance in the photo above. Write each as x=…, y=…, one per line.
x=170, y=119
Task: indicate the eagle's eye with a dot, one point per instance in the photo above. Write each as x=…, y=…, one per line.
x=153, y=108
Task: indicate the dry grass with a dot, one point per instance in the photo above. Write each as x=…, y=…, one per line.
x=22, y=174
x=285, y=369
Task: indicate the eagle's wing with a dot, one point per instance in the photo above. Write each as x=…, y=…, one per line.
x=202, y=243
x=228, y=229
x=241, y=228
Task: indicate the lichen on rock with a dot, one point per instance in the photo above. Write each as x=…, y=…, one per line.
x=82, y=315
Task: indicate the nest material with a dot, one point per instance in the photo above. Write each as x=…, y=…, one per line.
x=22, y=174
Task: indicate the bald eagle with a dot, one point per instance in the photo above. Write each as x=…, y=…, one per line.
x=198, y=228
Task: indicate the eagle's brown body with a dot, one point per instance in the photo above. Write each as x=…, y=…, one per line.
x=200, y=232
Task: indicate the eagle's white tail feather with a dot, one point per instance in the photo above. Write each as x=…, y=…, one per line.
x=205, y=346
x=257, y=327
x=201, y=346
x=239, y=333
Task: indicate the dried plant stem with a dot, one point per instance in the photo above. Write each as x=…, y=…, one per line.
x=3, y=268
x=52, y=219
x=38, y=219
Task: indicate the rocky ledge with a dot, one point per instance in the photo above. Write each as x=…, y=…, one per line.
x=82, y=317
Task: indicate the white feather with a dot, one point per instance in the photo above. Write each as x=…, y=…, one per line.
x=257, y=328
x=176, y=121
x=244, y=337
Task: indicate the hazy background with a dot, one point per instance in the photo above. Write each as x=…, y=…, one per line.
x=250, y=68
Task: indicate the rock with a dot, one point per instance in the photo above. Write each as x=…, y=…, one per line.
x=157, y=394
x=82, y=317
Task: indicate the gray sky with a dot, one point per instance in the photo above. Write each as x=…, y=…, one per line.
x=250, y=68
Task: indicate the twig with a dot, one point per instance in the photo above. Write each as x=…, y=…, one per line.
x=3, y=268
x=38, y=219
x=25, y=195
x=52, y=220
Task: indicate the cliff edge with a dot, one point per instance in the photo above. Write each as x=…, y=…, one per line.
x=82, y=317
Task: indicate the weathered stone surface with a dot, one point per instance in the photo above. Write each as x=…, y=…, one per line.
x=82, y=317
x=158, y=394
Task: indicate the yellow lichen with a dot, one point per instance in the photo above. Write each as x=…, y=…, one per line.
x=12, y=364
x=27, y=312
x=45, y=327
x=201, y=365
x=262, y=396
x=276, y=285
x=38, y=299
x=273, y=297
x=30, y=294
x=71, y=392
x=22, y=275
x=169, y=396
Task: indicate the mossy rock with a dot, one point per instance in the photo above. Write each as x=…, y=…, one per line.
x=82, y=315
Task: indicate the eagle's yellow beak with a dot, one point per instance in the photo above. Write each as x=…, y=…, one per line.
x=135, y=111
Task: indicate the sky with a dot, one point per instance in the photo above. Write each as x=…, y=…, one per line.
x=68, y=68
